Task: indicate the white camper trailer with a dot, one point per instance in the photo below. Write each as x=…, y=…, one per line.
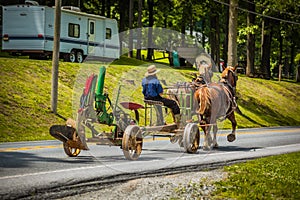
x=29, y=29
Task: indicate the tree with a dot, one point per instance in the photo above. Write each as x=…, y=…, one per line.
x=225, y=33
x=279, y=38
x=139, y=33
x=214, y=36
x=250, y=40
x=297, y=61
x=151, y=22
x=130, y=53
x=232, y=33
x=266, y=48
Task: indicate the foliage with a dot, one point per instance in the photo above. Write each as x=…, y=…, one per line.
x=275, y=177
x=297, y=58
x=186, y=16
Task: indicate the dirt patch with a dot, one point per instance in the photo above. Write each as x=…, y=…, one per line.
x=181, y=185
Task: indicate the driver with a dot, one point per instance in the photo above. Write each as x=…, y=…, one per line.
x=152, y=90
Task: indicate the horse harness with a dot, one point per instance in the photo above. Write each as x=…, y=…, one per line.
x=228, y=89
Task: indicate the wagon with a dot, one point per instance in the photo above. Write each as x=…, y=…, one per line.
x=128, y=130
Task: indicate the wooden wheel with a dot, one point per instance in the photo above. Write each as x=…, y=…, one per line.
x=191, y=138
x=132, y=142
x=70, y=151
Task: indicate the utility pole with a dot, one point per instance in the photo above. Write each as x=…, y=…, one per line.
x=55, y=56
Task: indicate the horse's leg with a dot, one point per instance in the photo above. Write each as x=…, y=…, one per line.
x=210, y=141
x=231, y=136
x=205, y=142
x=205, y=130
x=215, y=131
x=213, y=121
x=207, y=136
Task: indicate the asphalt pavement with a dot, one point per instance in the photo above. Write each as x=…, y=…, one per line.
x=28, y=168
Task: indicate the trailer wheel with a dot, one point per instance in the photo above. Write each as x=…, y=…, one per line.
x=70, y=151
x=132, y=142
x=71, y=57
x=191, y=138
x=79, y=57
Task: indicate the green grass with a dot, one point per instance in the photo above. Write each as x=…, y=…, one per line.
x=25, y=98
x=269, y=103
x=275, y=177
x=26, y=86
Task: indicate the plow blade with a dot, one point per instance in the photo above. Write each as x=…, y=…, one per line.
x=68, y=134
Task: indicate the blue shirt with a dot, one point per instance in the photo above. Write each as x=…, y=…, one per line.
x=151, y=87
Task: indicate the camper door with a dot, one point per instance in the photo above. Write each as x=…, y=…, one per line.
x=95, y=37
x=91, y=37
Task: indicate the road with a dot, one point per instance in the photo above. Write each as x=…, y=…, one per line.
x=29, y=168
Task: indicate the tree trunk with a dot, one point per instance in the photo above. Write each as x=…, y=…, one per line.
x=291, y=69
x=108, y=8
x=215, y=40
x=250, y=41
x=212, y=37
x=217, y=61
x=232, y=33
x=182, y=28
x=280, y=48
x=139, y=34
x=191, y=18
x=225, y=43
x=151, y=22
x=298, y=73
x=122, y=23
x=103, y=8
x=203, y=31
x=266, y=48
x=130, y=46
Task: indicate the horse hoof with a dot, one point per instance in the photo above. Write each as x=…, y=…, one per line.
x=216, y=146
x=205, y=148
x=231, y=137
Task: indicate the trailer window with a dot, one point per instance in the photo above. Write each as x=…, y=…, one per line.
x=74, y=30
x=92, y=28
x=108, y=33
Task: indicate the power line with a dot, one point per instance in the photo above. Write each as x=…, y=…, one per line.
x=283, y=12
x=262, y=15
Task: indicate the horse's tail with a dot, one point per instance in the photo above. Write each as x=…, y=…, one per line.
x=202, y=96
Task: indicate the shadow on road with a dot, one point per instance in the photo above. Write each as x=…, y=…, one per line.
x=21, y=160
x=236, y=148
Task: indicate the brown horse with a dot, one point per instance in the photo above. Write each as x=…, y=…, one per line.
x=183, y=92
x=229, y=77
x=216, y=101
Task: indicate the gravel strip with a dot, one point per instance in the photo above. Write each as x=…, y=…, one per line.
x=179, y=186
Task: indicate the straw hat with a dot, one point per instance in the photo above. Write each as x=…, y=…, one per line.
x=151, y=70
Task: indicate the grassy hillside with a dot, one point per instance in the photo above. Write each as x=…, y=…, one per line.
x=26, y=86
